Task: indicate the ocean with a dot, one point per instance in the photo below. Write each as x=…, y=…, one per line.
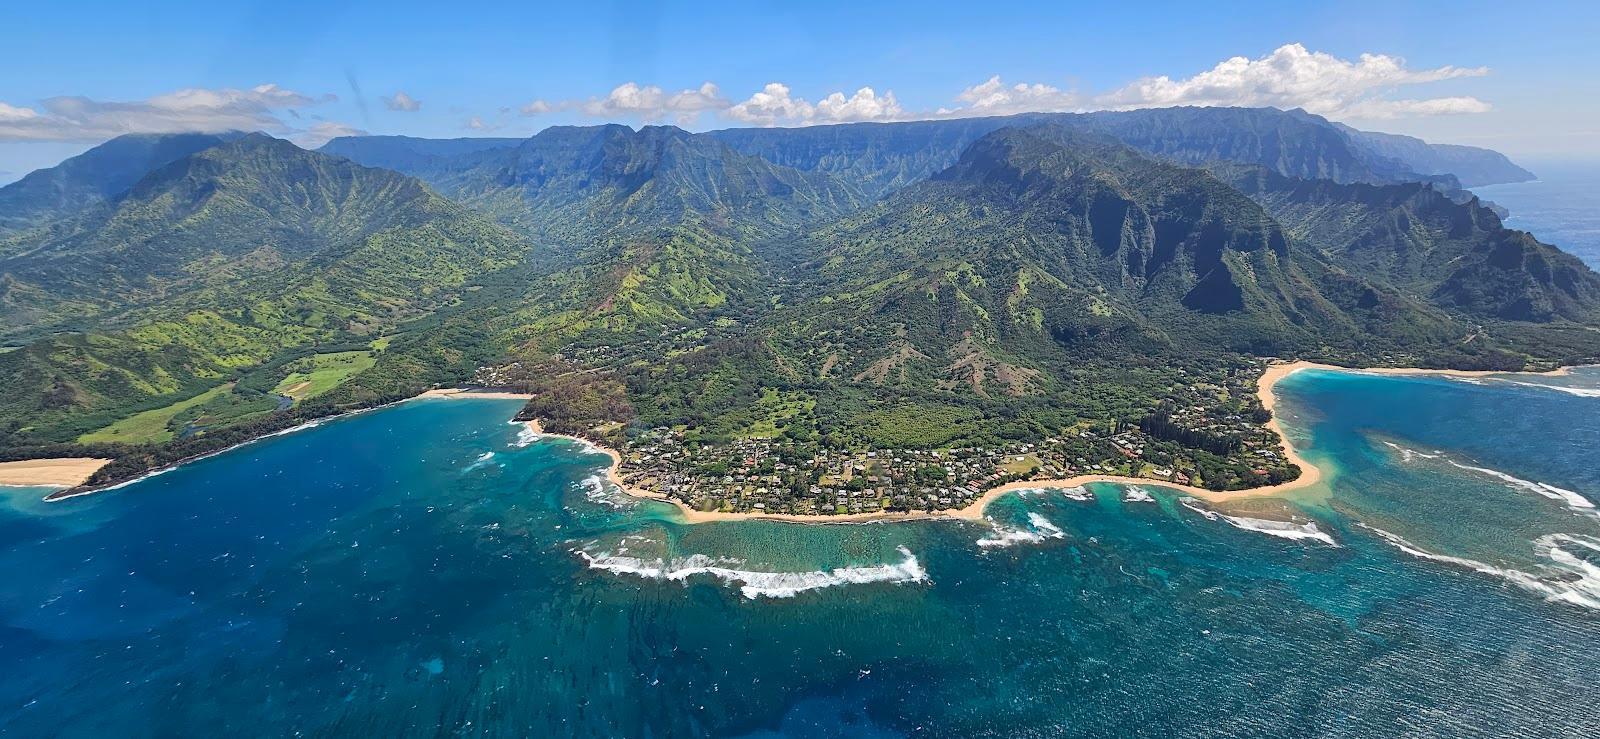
x=433, y=569
x=1562, y=207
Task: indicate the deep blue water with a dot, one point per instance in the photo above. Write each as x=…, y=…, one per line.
x=379, y=576
x=1562, y=207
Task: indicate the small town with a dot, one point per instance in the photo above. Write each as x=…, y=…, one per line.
x=1198, y=445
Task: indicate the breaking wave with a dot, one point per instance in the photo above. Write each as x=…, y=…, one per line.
x=483, y=459
x=1570, y=498
x=1572, y=579
x=1582, y=392
x=525, y=435
x=1410, y=455
x=1280, y=529
x=596, y=490
x=755, y=584
x=1041, y=530
x=1072, y=493
x=1136, y=494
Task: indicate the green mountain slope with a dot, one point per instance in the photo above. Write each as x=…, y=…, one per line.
x=229, y=259
x=95, y=176
x=254, y=206
x=1419, y=241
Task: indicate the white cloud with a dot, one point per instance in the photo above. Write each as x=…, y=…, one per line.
x=537, y=107
x=771, y=106
x=75, y=118
x=324, y=132
x=476, y=123
x=401, y=102
x=651, y=103
x=865, y=105
x=1375, y=109
x=774, y=105
x=995, y=98
x=1293, y=77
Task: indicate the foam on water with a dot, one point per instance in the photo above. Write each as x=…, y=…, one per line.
x=483, y=459
x=1136, y=494
x=1582, y=392
x=1280, y=529
x=1572, y=579
x=1410, y=455
x=525, y=435
x=1570, y=498
x=755, y=584
x=597, y=490
x=1073, y=493
x=1041, y=530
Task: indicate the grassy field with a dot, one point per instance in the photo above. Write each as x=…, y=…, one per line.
x=320, y=373
x=151, y=425
x=1019, y=464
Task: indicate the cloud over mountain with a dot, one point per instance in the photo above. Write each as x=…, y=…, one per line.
x=401, y=102
x=78, y=118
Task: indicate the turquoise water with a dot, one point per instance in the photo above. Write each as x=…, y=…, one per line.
x=427, y=570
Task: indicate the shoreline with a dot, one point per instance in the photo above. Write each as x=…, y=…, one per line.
x=1310, y=474
x=457, y=393
x=72, y=485
x=77, y=489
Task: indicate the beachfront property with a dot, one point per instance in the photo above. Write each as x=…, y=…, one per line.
x=764, y=475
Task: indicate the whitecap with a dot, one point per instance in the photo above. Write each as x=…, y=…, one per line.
x=1572, y=499
x=1582, y=392
x=755, y=584
x=482, y=460
x=1280, y=529
x=1194, y=505
x=1409, y=455
x=1072, y=493
x=525, y=435
x=596, y=490
x=1136, y=494
x=1041, y=530
x=1576, y=581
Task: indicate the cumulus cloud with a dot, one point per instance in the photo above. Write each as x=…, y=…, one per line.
x=1294, y=77
x=774, y=105
x=865, y=105
x=651, y=103
x=996, y=98
x=538, y=107
x=323, y=132
x=771, y=106
x=76, y=118
x=401, y=102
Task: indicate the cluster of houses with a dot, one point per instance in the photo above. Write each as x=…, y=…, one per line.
x=763, y=475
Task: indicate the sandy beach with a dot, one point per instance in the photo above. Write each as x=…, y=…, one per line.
x=61, y=472
x=1310, y=474
x=466, y=392
x=69, y=473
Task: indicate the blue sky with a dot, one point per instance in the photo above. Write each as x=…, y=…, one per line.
x=1524, y=79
